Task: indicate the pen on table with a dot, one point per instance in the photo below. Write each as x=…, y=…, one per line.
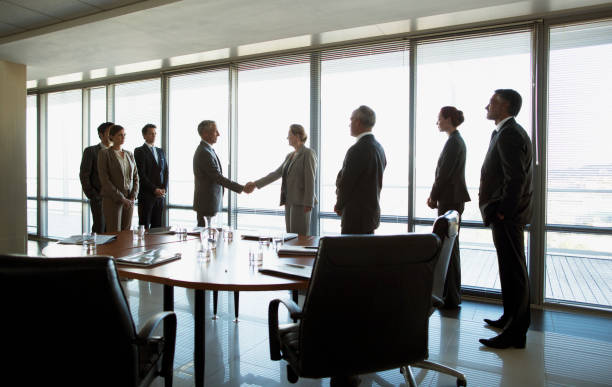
x=295, y=265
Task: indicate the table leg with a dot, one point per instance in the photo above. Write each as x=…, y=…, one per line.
x=168, y=298
x=199, y=338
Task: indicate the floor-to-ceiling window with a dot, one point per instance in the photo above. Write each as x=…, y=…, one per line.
x=32, y=162
x=192, y=99
x=64, y=147
x=137, y=104
x=579, y=170
x=377, y=76
x=271, y=96
x=465, y=72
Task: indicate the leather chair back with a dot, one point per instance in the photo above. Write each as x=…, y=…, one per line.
x=367, y=305
x=446, y=228
x=67, y=320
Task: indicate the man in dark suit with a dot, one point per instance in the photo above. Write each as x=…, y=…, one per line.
x=208, y=174
x=360, y=180
x=505, y=201
x=153, y=174
x=90, y=181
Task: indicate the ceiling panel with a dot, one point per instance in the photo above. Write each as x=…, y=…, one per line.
x=8, y=29
x=61, y=9
x=110, y=4
x=23, y=17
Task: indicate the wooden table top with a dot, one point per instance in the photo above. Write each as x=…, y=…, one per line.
x=227, y=269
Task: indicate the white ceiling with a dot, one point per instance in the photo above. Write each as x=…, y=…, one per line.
x=59, y=37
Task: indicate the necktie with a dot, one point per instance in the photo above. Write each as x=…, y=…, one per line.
x=155, y=154
x=218, y=161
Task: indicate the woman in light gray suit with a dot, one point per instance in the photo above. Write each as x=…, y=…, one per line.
x=119, y=182
x=298, y=172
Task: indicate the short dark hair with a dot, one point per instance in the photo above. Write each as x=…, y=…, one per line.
x=103, y=126
x=455, y=115
x=146, y=128
x=204, y=125
x=513, y=98
x=366, y=116
x=114, y=130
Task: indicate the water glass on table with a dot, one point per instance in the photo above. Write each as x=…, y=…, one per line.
x=89, y=242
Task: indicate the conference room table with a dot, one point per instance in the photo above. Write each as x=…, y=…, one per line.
x=227, y=269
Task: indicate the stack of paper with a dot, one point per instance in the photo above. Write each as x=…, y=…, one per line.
x=288, y=270
x=78, y=239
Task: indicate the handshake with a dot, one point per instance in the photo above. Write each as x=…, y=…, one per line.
x=249, y=187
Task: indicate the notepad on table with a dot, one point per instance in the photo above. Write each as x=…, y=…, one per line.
x=149, y=258
x=309, y=251
x=254, y=236
x=287, y=270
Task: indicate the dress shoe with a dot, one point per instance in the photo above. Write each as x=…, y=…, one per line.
x=500, y=323
x=504, y=341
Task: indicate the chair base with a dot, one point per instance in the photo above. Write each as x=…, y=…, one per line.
x=430, y=365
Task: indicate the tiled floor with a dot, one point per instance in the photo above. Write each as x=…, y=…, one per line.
x=563, y=349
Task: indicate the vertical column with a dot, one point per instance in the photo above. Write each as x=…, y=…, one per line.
x=13, y=228
x=165, y=136
x=537, y=232
x=232, y=169
x=412, y=135
x=315, y=132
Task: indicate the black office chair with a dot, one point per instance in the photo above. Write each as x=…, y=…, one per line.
x=446, y=228
x=366, y=309
x=66, y=322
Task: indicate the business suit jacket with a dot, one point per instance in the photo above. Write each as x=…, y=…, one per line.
x=506, y=176
x=209, y=181
x=111, y=176
x=300, y=178
x=151, y=174
x=88, y=173
x=358, y=186
x=449, y=185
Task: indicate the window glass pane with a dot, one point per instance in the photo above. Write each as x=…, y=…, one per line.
x=187, y=218
x=579, y=170
x=259, y=222
x=64, y=219
x=64, y=144
x=579, y=167
x=32, y=216
x=97, y=112
x=465, y=73
x=381, y=81
x=194, y=98
x=579, y=268
x=32, y=145
x=270, y=99
x=137, y=104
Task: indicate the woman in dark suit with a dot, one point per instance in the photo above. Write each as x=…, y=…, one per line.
x=449, y=192
x=119, y=182
x=298, y=172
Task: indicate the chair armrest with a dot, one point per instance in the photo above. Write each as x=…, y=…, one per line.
x=144, y=336
x=294, y=311
x=147, y=330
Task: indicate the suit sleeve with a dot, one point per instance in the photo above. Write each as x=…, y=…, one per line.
x=346, y=181
x=85, y=171
x=272, y=176
x=310, y=171
x=446, y=168
x=143, y=173
x=108, y=188
x=207, y=169
x=511, y=153
x=135, y=180
x=166, y=169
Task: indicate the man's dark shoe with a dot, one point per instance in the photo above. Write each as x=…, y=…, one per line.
x=504, y=341
x=501, y=323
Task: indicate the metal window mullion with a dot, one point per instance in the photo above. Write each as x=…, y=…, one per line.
x=537, y=236
x=42, y=213
x=233, y=142
x=315, y=133
x=165, y=137
x=85, y=122
x=412, y=135
x=110, y=103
